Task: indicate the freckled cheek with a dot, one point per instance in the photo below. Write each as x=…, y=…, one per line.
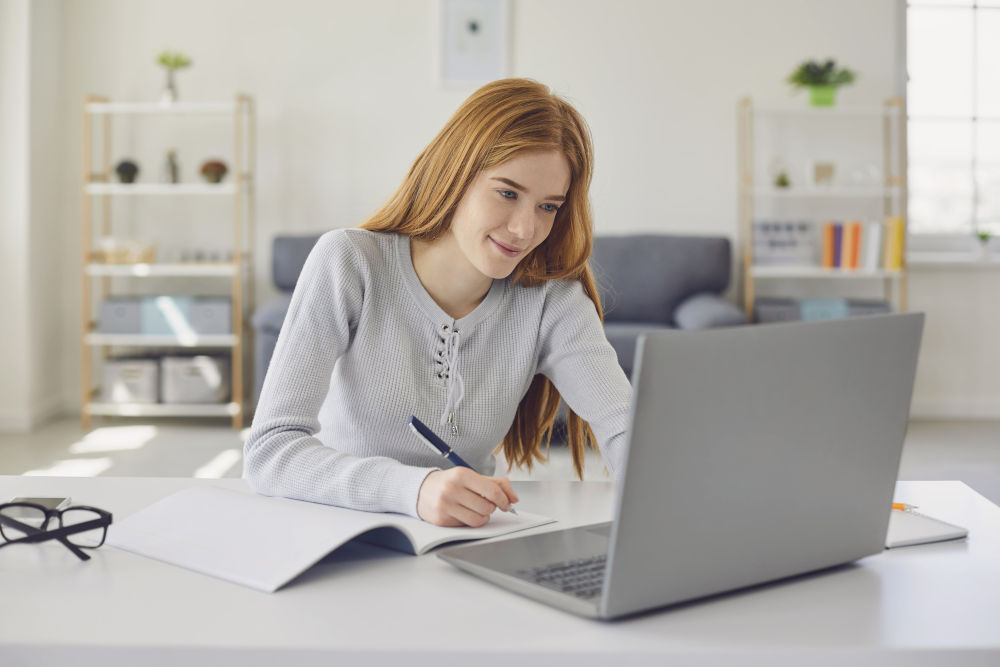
x=543, y=232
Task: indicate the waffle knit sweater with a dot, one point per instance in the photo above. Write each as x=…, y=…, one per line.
x=363, y=346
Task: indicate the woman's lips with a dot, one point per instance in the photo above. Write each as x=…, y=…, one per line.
x=509, y=250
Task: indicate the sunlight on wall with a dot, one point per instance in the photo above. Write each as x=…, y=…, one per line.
x=219, y=465
x=73, y=468
x=114, y=439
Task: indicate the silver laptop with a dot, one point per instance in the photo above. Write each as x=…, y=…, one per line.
x=754, y=453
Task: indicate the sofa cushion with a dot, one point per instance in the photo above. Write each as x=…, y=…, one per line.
x=623, y=335
x=642, y=278
x=270, y=316
x=288, y=258
x=704, y=311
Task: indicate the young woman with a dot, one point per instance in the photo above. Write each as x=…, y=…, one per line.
x=465, y=301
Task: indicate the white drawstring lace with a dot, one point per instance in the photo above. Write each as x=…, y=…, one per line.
x=456, y=389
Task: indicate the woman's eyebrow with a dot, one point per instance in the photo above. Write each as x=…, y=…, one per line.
x=518, y=186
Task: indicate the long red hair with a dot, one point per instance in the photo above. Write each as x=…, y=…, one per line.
x=495, y=123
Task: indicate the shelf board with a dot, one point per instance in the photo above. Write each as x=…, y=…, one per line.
x=820, y=272
x=845, y=192
x=163, y=409
x=826, y=112
x=160, y=189
x=161, y=340
x=177, y=108
x=953, y=260
x=142, y=270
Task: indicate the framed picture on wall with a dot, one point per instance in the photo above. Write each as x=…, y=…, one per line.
x=822, y=173
x=473, y=44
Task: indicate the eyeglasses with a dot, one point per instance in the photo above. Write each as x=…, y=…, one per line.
x=78, y=527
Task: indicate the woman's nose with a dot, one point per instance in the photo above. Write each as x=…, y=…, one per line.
x=522, y=224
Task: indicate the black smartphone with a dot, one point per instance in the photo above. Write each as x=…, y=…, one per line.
x=50, y=503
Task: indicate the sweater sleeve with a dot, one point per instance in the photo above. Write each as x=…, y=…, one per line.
x=575, y=355
x=282, y=456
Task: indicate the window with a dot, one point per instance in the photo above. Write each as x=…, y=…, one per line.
x=953, y=99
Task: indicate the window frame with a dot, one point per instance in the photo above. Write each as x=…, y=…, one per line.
x=946, y=241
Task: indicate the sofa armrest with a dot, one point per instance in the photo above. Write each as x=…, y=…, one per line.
x=706, y=310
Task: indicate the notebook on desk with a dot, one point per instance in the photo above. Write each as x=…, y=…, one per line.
x=264, y=542
x=754, y=453
x=908, y=528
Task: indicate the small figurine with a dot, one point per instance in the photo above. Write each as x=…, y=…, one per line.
x=171, y=170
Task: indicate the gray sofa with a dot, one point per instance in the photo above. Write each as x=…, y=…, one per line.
x=646, y=282
x=660, y=281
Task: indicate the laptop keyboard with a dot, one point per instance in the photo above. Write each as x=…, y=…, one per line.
x=581, y=577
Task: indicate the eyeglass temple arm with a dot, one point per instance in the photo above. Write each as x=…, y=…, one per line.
x=35, y=535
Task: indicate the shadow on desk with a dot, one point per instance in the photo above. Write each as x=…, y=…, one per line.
x=345, y=561
x=788, y=610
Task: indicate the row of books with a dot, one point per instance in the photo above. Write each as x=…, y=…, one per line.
x=863, y=245
x=788, y=242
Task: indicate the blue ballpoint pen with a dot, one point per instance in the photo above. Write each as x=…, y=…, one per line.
x=440, y=446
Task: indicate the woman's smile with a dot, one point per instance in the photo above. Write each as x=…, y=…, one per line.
x=506, y=248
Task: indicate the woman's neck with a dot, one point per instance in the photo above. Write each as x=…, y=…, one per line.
x=454, y=284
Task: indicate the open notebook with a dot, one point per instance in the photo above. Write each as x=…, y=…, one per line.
x=907, y=528
x=264, y=542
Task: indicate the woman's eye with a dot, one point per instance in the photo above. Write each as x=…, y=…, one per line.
x=508, y=194
x=550, y=208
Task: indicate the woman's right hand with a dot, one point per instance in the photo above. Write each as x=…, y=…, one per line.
x=462, y=497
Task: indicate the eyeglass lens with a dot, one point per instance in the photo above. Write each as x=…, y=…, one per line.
x=26, y=514
x=35, y=517
x=87, y=538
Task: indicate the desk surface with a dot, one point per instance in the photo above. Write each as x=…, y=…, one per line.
x=930, y=604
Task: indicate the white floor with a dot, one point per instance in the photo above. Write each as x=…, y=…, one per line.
x=967, y=451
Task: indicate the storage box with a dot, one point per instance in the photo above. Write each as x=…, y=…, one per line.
x=186, y=315
x=194, y=379
x=121, y=315
x=121, y=251
x=770, y=309
x=129, y=381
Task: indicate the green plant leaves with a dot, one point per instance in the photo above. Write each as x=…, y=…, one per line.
x=815, y=73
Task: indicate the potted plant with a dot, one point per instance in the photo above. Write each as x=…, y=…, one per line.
x=171, y=61
x=822, y=80
x=984, y=242
x=214, y=170
x=127, y=170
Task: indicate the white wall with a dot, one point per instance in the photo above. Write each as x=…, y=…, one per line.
x=49, y=276
x=14, y=339
x=347, y=98
x=33, y=354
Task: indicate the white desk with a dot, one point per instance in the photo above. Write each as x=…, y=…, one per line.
x=931, y=604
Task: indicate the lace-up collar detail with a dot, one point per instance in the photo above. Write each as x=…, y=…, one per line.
x=449, y=331
x=446, y=362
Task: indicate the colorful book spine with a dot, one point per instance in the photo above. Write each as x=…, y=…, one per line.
x=892, y=255
x=873, y=245
x=838, y=245
x=827, y=245
x=852, y=243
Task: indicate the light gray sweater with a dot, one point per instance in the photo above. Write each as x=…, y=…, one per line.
x=363, y=346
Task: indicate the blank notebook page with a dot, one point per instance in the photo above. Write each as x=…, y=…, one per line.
x=909, y=527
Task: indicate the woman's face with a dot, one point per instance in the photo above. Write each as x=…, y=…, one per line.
x=509, y=210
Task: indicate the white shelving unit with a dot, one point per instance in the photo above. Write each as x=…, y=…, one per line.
x=820, y=272
x=891, y=193
x=95, y=408
x=98, y=189
x=828, y=193
x=141, y=270
x=133, y=189
x=161, y=340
